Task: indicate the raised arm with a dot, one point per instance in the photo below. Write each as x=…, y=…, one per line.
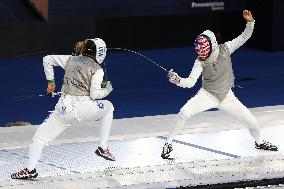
x=190, y=80
x=96, y=91
x=246, y=34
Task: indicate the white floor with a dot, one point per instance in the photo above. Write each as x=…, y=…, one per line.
x=213, y=148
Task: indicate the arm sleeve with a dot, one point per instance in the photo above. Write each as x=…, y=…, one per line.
x=96, y=92
x=193, y=76
x=53, y=60
x=241, y=39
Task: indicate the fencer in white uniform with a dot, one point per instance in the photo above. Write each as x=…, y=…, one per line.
x=214, y=64
x=80, y=101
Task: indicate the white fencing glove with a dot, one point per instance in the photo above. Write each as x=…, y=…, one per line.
x=173, y=77
x=107, y=85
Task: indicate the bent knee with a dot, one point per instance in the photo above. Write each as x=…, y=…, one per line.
x=184, y=114
x=109, y=106
x=252, y=123
x=40, y=140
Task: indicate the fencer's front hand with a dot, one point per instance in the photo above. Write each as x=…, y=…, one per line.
x=50, y=87
x=108, y=86
x=173, y=77
x=248, y=16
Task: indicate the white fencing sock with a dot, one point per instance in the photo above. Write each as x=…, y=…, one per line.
x=35, y=151
x=179, y=124
x=255, y=133
x=106, y=123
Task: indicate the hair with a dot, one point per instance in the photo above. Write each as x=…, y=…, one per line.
x=86, y=48
x=79, y=47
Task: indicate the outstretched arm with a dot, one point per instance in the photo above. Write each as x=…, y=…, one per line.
x=191, y=79
x=246, y=34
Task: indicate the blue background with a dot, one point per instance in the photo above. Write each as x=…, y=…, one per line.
x=140, y=87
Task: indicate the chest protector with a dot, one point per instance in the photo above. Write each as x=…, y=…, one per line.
x=78, y=75
x=218, y=78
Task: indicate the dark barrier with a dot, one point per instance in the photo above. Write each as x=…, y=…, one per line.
x=40, y=38
x=269, y=29
x=37, y=38
x=97, y=9
x=157, y=31
x=277, y=25
x=167, y=31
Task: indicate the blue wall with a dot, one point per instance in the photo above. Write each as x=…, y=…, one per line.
x=140, y=88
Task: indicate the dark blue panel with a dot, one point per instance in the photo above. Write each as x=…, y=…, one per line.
x=140, y=88
x=16, y=11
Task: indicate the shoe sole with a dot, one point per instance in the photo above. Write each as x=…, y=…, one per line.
x=27, y=178
x=167, y=156
x=99, y=154
x=274, y=150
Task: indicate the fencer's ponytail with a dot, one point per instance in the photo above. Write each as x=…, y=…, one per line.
x=86, y=48
x=80, y=47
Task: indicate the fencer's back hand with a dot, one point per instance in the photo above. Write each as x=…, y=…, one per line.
x=50, y=88
x=248, y=16
x=173, y=77
x=107, y=85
